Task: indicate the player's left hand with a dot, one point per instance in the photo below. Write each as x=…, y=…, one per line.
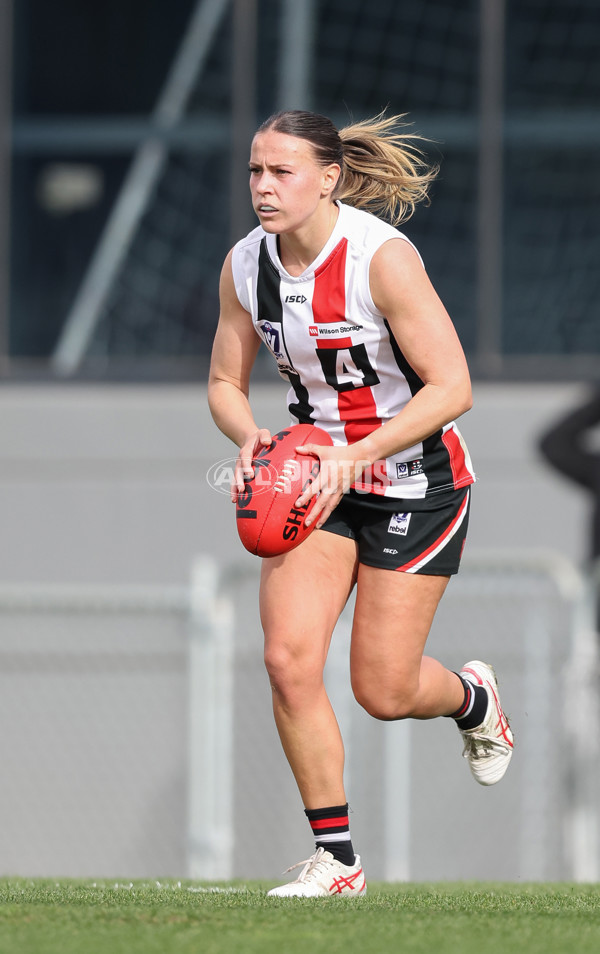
x=340, y=468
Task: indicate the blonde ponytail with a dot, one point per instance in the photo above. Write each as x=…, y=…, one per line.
x=383, y=171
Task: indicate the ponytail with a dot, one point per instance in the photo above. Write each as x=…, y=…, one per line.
x=383, y=171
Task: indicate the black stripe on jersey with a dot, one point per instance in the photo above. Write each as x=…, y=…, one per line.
x=270, y=309
x=302, y=409
x=436, y=462
x=412, y=378
x=267, y=288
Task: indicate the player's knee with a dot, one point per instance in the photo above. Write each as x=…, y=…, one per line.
x=382, y=704
x=289, y=674
x=278, y=665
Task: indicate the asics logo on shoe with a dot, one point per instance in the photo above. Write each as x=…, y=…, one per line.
x=472, y=672
x=340, y=883
x=502, y=724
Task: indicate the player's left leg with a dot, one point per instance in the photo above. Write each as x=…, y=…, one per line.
x=393, y=679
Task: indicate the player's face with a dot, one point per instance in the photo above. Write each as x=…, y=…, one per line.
x=286, y=182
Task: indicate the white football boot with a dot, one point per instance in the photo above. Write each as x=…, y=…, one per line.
x=324, y=877
x=489, y=746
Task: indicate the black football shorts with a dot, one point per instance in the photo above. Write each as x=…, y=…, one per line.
x=411, y=536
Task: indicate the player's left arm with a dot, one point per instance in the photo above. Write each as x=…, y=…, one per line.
x=423, y=330
x=402, y=292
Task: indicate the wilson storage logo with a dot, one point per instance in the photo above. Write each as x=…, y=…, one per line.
x=326, y=331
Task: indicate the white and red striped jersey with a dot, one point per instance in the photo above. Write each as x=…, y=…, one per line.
x=346, y=370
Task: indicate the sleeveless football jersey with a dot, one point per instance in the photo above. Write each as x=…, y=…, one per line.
x=346, y=370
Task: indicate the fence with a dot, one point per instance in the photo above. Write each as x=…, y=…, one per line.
x=138, y=740
x=507, y=90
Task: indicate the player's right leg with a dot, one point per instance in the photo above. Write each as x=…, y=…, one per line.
x=301, y=597
x=302, y=594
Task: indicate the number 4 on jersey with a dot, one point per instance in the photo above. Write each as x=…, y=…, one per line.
x=347, y=368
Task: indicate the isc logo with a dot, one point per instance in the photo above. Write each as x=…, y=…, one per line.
x=295, y=299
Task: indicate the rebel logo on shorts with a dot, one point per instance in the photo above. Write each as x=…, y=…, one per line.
x=399, y=523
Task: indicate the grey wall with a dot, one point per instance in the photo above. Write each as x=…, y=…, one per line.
x=109, y=483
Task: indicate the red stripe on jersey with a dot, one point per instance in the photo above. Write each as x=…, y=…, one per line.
x=329, y=823
x=329, y=295
x=443, y=537
x=356, y=406
x=358, y=410
x=334, y=343
x=460, y=472
x=329, y=305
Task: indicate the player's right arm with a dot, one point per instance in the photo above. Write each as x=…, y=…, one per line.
x=234, y=352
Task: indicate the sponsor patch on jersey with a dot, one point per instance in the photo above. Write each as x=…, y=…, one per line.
x=399, y=523
x=326, y=330
x=409, y=468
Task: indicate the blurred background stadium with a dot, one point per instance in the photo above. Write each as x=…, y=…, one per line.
x=136, y=737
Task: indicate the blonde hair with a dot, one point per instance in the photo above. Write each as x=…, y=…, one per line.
x=383, y=170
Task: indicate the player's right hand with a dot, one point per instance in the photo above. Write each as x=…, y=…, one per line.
x=253, y=444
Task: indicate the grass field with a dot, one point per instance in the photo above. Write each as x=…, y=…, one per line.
x=47, y=917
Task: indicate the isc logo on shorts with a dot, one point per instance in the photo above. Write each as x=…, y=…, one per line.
x=399, y=523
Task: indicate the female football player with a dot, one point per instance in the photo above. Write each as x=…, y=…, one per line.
x=343, y=302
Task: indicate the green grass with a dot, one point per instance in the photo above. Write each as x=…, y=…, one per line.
x=81, y=917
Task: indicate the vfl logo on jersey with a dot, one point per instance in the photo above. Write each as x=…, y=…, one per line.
x=399, y=523
x=411, y=468
x=271, y=338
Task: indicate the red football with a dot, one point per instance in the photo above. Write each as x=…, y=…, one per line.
x=267, y=520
